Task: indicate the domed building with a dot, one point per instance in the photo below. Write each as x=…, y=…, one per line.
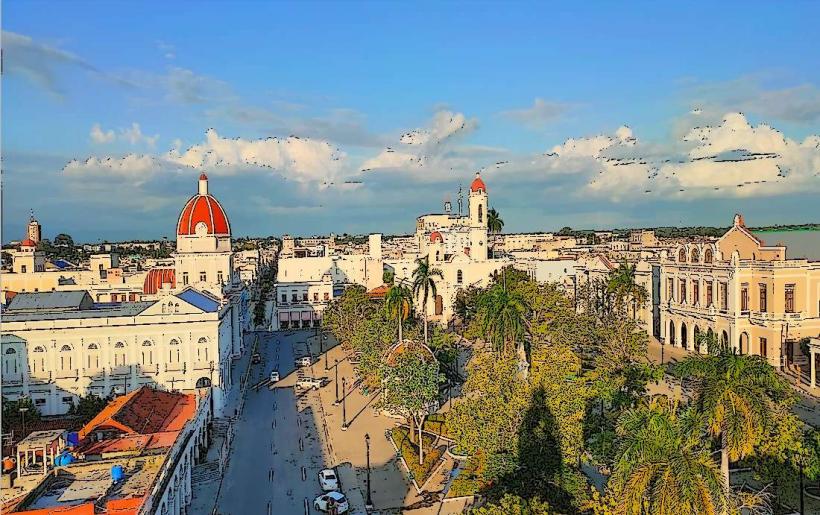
x=203, y=259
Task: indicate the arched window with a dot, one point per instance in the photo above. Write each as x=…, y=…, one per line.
x=696, y=338
x=671, y=333
x=11, y=351
x=707, y=256
x=176, y=307
x=203, y=382
x=92, y=357
x=683, y=337
x=173, y=353
x=682, y=256
x=695, y=255
x=438, y=256
x=66, y=358
x=38, y=363
x=147, y=353
x=744, y=343
x=480, y=213
x=10, y=361
x=459, y=277
x=724, y=338
x=202, y=349
x=119, y=354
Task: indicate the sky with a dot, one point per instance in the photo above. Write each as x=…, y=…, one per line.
x=343, y=117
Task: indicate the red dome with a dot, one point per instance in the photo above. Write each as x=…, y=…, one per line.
x=27, y=243
x=436, y=237
x=478, y=184
x=156, y=277
x=203, y=208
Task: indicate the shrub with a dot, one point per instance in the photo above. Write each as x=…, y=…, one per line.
x=409, y=452
x=437, y=424
x=469, y=480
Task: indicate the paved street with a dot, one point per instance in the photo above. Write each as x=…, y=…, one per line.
x=276, y=453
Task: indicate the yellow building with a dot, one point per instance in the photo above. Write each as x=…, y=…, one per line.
x=743, y=291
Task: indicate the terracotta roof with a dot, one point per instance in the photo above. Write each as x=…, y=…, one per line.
x=378, y=292
x=435, y=235
x=478, y=184
x=156, y=277
x=27, y=243
x=134, y=442
x=82, y=509
x=144, y=411
x=205, y=209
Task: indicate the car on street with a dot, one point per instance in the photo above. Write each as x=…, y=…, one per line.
x=326, y=501
x=304, y=361
x=274, y=376
x=328, y=480
x=309, y=382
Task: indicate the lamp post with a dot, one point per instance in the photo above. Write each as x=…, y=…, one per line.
x=337, y=382
x=23, y=415
x=344, y=406
x=369, y=503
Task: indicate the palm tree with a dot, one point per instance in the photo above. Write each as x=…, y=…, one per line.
x=662, y=466
x=494, y=222
x=622, y=284
x=424, y=285
x=503, y=320
x=737, y=395
x=397, y=303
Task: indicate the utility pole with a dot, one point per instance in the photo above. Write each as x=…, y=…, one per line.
x=369, y=502
x=337, y=382
x=344, y=405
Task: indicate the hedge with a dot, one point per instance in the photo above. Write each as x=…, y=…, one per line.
x=436, y=424
x=468, y=481
x=408, y=451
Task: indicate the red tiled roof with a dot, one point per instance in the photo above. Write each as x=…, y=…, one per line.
x=156, y=277
x=27, y=243
x=82, y=509
x=144, y=411
x=203, y=208
x=129, y=506
x=378, y=292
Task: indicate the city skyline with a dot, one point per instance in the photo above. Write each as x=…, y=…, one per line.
x=380, y=116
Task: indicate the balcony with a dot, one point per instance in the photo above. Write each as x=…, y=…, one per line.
x=761, y=318
x=71, y=373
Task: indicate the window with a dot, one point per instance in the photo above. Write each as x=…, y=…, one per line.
x=203, y=277
x=763, y=297
x=459, y=277
x=185, y=278
x=93, y=357
x=695, y=256
x=764, y=350
x=219, y=278
x=173, y=353
x=39, y=402
x=23, y=269
x=670, y=289
x=707, y=256
x=327, y=296
x=119, y=354
x=744, y=297
x=10, y=361
x=304, y=296
x=38, y=360
x=284, y=298
x=147, y=353
x=480, y=213
x=708, y=293
x=68, y=400
x=202, y=349
x=294, y=297
x=682, y=290
x=65, y=358
x=316, y=296
x=789, y=298
x=682, y=256
x=724, y=296
x=695, y=292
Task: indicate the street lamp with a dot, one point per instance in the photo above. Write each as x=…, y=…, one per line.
x=344, y=406
x=337, y=382
x=23, y=415
x=369, y=503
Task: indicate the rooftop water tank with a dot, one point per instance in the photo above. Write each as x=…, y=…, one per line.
x=117, y=473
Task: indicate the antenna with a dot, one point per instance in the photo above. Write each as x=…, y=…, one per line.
x=460, y=200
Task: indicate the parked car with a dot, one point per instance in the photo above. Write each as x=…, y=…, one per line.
x=328, y=480
x=336, y=499
x=309, y=382
x=304, y=361
x=256, y=358
x=274, y=376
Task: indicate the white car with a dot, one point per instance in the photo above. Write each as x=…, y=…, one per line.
x=304, y=361
x=274, y=376
x=309, y=382
x=333, y=498
x=328, y=480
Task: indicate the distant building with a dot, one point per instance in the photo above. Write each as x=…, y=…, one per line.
x=34, y=231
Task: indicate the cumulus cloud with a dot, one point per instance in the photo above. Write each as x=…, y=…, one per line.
x=135, y=136
x=730, y=159
x=539, y=114
x=427, y=151
x=100, y=136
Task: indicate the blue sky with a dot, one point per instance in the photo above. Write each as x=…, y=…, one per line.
x=608, y=114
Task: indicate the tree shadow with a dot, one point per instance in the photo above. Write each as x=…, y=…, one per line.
x=536, y=469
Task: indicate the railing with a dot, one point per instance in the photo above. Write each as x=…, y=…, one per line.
x=67, y=374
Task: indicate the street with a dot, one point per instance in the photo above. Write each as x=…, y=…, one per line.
x=276, y=452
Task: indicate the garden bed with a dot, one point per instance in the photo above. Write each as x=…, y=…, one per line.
x=409, y=451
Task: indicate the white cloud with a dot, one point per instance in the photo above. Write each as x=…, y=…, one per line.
x=100, y=136
x=135, y=136
x=133, y=168
x=427, y=152
x=749, y=94
x=37, y=61
x=539, y=114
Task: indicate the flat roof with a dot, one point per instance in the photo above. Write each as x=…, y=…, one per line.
x=127, y=309
x=41, y=438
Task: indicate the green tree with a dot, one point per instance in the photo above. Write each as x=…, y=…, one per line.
x=346, y=314
x=63, y=240
x=622, y=285
x=662, y=466
x=424, y=285
x=494, y=222
x=737, y=395
x=411, y=388
x=13, y=416
x=502, y=314
x=87, y=407
x=397, y=303
x=514, y=505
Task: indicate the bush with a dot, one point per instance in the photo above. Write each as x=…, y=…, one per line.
x=437, y=424
x=469, y=480
x=409, y=452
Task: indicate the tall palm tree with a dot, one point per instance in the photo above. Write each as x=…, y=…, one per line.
x=397, y=303
x=503, y=320
x=424, y=285
x=623, y=285
x=662, y=466
x=494, y=222
x=737, y=395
